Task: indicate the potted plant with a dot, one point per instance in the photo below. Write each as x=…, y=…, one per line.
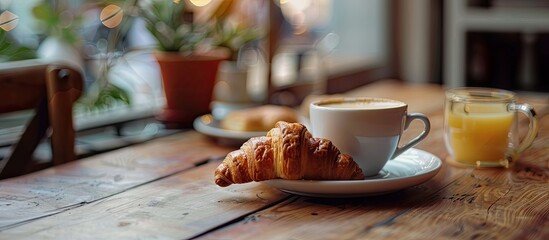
x=188, y=76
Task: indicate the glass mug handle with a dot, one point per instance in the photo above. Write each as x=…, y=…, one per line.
x=533, y=127
x=426, y=128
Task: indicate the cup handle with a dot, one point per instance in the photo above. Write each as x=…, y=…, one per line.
x=426, y=128
x=533, y=127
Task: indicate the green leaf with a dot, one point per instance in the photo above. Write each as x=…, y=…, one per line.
x=42, y=12
x=108, y=96
x=11, y=51
x=165, y=22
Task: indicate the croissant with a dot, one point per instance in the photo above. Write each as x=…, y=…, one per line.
x=289, y=152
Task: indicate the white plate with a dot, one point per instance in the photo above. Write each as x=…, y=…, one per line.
x=206, y=124
x=411, y=168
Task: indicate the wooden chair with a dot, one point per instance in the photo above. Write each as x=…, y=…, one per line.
x=49, y=89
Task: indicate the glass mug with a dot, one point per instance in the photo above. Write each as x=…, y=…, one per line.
x=481, y=127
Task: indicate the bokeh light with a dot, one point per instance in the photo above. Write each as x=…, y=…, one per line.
x=111, y=16
x=8, y=20
x=200, y=3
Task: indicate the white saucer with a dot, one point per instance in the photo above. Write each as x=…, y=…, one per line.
x=206, y=124
x=411, y=168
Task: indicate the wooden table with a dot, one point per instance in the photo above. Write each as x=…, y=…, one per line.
x=164, y=189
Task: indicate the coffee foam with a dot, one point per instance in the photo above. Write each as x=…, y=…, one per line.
x=374, y=103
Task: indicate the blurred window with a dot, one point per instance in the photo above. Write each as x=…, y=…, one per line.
x=110, y=44
x=325, y=43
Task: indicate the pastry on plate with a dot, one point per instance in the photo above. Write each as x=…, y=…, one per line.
x=258, y=119
x=288, y=152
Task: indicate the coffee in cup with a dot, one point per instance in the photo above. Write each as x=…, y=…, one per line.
x=368, y=129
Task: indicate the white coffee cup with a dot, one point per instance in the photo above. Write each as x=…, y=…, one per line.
x=368, y=129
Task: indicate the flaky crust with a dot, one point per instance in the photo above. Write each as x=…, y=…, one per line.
x=288, y=152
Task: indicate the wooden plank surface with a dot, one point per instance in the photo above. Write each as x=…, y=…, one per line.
x=162, y=193
x=73, y=184
x=476, y=205
x=178, y=207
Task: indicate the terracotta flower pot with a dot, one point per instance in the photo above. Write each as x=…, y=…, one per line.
x=188, y=83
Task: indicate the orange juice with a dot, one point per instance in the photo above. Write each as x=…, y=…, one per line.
x=479, y=132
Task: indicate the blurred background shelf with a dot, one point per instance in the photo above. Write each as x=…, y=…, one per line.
x=506, y=19
x=503, y=44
